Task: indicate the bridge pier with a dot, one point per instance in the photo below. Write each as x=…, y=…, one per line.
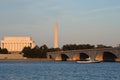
x=76, y=57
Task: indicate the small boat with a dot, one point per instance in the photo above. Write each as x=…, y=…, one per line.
x=88, y=61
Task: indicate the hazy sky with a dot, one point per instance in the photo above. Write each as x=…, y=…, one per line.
x=80, y=21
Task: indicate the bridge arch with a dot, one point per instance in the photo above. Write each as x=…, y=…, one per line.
x=106, y=56
x=94, y=54
x=62, y=57
x=84, y=57
x=81, y=56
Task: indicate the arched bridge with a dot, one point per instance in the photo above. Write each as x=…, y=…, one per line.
x=103, y=54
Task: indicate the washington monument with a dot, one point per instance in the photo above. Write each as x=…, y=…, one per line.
x=56, y=35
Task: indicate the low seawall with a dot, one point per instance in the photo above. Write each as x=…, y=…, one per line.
x=11, y=56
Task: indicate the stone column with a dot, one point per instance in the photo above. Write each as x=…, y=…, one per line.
x=8, y=46
x=2, y=45
x=12, y=46
x=16, y=46
x=21, y=46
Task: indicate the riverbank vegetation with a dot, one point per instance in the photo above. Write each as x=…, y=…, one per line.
x=38, y=52
x=41, y=52
x=3, y=51
x=82, y=46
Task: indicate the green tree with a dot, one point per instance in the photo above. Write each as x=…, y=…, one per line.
x=77, y=47
x=4, y=51
x=27, y=52
x=44, y=47
x=103, y=46
x=36, y=52
x=54, y=49
x=43, y=50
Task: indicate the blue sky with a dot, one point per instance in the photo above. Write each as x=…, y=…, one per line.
x=80, y=21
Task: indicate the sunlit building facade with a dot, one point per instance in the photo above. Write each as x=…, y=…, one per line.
x=16, y=44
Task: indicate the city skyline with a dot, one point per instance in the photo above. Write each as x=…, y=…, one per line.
x=80, y=21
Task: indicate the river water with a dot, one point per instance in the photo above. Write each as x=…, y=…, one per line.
x=36, y=70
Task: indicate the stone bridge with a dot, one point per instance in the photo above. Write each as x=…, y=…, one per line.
x=103, y=54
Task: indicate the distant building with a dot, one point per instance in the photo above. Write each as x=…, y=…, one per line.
x=16, y=44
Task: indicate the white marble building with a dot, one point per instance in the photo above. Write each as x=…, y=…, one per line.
x=16, y=44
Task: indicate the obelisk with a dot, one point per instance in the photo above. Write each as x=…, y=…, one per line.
x=56, y=35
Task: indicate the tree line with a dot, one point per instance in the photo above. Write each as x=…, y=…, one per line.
x=82, y=46
x=77, y=47
x=41, y=52
x=37, y=52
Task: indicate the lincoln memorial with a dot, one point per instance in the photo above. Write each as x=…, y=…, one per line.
x=16, y=44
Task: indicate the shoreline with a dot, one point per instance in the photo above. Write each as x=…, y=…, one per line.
x=29, y=59
x=44, y=60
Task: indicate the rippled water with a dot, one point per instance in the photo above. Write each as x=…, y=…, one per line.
x=35, y=70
